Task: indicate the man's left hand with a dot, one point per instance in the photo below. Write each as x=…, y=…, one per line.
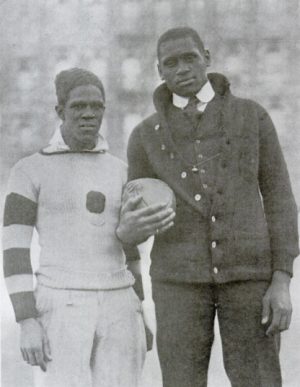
x=277, y=306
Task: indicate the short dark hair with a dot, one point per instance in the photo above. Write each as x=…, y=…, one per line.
x=178, y=33
x=67, y=80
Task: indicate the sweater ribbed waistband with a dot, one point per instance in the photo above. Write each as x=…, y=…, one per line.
x=64, y=279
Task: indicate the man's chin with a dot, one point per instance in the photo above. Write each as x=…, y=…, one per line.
x=187, y=90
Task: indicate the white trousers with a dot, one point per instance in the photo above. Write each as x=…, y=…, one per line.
x=97, y=338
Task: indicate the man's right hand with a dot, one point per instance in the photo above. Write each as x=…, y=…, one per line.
x=35, y=346
x=137, y=225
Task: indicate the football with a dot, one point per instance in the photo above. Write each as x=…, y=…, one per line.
x=153, y=191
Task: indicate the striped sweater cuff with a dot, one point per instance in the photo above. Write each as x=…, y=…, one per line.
x=24, y=305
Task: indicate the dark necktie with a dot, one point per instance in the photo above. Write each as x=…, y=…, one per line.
x=192, y=112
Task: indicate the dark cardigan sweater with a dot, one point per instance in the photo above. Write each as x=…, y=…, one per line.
x=246, y=227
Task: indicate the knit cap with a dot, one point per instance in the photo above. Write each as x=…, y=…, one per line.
x=67, y=80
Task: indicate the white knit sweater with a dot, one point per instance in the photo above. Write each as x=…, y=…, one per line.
x=77, y=199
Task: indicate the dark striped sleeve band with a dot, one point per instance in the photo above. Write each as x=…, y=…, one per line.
x=16, y=261
x=19, y=210
x=24, y=305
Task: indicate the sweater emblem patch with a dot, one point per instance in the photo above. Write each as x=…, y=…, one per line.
x=95, y=202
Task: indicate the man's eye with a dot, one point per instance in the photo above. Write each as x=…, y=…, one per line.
x=171, y=63
x=78, y=106
x=189, y=58
x=97, y=106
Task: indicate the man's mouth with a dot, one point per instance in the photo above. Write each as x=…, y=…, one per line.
x=88, y=126
x=185, y=82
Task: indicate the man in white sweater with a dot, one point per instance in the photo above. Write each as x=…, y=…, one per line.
x=83, y=323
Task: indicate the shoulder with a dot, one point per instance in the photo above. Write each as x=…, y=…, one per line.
x=113, y=166
x=253, y=110
x=247, y=104
x=147, y=125
x=29, y=164
x=25, y=176
x=144, y=132
x=115, y=161
x=255, y=117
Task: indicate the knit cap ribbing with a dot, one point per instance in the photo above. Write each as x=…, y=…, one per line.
x=67, y=80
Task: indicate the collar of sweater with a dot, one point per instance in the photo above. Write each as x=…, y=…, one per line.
x=162, y=96
x=58, y=145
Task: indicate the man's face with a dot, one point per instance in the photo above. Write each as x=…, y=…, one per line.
x=82, y=116
x=183, y=66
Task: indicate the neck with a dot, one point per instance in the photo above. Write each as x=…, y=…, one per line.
x=76, y=145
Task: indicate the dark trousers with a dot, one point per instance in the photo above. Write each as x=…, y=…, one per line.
x=185, y=320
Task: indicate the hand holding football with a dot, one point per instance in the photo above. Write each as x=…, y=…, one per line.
x=148, y=208
x=153, y=191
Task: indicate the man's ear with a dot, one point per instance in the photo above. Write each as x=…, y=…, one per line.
x=60, y=112
x=159, y=71
x=207, y=57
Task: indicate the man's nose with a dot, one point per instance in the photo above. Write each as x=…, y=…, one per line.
x=88, y=112
x=183, y=67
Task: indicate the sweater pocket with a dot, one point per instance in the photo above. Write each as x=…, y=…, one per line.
x=95, y=205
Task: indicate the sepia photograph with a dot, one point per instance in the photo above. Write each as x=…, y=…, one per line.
x=150, y=193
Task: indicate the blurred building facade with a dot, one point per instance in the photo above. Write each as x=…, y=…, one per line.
x=255, y=44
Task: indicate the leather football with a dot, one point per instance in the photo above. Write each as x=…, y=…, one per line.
x=153, y=191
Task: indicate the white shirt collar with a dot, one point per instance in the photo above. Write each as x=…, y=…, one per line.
x=205, y=95
x=57, y=144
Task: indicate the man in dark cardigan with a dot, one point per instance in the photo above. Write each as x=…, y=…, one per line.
x=232, y=247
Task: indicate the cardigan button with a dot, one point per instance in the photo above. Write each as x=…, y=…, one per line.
x=197, y=197
x=183, y=175
x=216, y=270
x=213, y=244
x=156, y=127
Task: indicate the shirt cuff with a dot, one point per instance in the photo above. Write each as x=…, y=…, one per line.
x=283, y=263
x=131, y=252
